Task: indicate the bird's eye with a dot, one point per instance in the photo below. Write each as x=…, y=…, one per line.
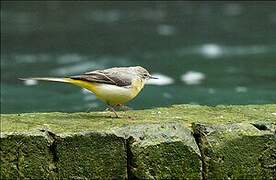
x=145, y=75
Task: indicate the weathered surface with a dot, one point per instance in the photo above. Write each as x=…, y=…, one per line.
x=160, y=151
x=91, y=156
x=234, y=142
x=239, y=151
x=26, y=156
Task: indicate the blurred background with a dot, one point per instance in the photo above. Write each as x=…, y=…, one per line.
x=206, y=53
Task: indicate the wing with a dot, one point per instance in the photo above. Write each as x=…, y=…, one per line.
x=108, y=76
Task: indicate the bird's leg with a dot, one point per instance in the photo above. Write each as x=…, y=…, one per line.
x=113, y=110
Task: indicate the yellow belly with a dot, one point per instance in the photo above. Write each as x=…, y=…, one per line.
x=111, y=94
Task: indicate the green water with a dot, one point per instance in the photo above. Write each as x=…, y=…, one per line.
x=231, y=44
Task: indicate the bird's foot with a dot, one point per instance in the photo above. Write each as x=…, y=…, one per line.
x=110, y=108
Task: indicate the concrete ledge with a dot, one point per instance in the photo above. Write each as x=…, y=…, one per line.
x=180, y=142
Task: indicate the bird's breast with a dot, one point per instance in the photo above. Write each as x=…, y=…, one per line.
x=137, y=85
x=112, y=94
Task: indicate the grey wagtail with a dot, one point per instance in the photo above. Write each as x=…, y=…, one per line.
x=114, y=86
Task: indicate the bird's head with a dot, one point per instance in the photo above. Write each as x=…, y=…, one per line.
x=143, y=73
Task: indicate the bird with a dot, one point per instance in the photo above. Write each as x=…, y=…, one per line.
x=113, y=86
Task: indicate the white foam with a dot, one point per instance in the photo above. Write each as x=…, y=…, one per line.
x=211, y=50
x=30, y=82
x=161, y=81
x=193, y=77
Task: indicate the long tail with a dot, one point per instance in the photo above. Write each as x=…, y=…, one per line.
x=67, y=80
x=84, y=84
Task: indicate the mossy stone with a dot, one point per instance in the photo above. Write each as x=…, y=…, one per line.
x=163, y=151
x=159, y=143
x=91, y=156
x=25, y=157
x=239, y=151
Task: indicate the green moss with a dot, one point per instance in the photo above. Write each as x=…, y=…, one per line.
x=173, y=160
x=25, y=157
x=9, y=159
x=161, y=151
x=62, y=123
x=241, y=158
x=238, y=151
x=91, y=156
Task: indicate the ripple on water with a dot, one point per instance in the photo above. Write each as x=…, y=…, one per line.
x=165, y=30
x=213, y=50
x=167, y=95
x=211, y=91
x=233, y=9
x=241, y=89
x=77, y=68
x=80, y=64
x=31, y=58
x=70, y=58
x=103, y=16
x=161, y=81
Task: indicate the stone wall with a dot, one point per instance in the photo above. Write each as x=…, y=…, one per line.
x=179, y=142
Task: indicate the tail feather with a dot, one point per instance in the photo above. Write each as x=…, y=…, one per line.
x=47, y=79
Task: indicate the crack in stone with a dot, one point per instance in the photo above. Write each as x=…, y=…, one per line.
x=53, y=139
x=18, y=157
x=259, y=126
x=130, y=164
x=17, y=162
x=199, y=133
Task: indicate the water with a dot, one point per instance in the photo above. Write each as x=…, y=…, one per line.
x=205, y=53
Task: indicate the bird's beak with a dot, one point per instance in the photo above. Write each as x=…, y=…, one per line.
x=152, y=77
